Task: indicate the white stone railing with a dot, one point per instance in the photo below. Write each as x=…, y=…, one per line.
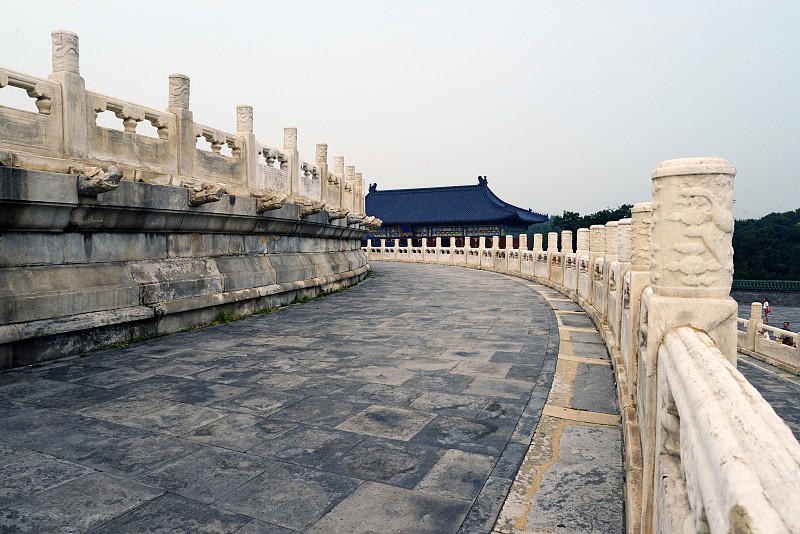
x=720, y=468
x=752, y=341
x=64, y=136
x=657, y=286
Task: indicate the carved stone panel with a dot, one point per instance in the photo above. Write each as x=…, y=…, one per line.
x=566, y=241
x=322, y=154
x=692, y=230
x=179, y=91
x=66, y=57
x=290, y=138
x=244, y=119
x=624, y=240
x=641, y=215
x=582, y=239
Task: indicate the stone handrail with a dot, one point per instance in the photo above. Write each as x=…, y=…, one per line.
x=752, y=341
x=733, y=469
x=64, y=137
x=657, y=286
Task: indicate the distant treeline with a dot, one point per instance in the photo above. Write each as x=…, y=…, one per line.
x=767, y=248
x=572, y=220
x=764, y=249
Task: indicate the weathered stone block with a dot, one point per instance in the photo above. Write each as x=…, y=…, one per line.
x=241, y=272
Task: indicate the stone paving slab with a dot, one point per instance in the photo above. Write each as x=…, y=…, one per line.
x=571, y=478
x=779, y=390
x=405, y=404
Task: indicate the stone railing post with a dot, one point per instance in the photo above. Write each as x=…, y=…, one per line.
x=438, y=247
x=66, y=71
x=566, y=241
x=244, y=129
x=321, y=159
x=552, y=241
x=537, y=242
x=752, y=325
x=495, y=242
x=691, y=271
x=582, y=245
x=624, y=241
x=523, y=243
x=509, y=242
x=635, y=282
x=338, y=171
x=290, y=147
x=612, y=239
x=179, y=92
x=358, y=193
x=481, y=244
x=597, y=249
x=350, y=183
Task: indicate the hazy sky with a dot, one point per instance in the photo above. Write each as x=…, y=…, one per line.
x=564, y=105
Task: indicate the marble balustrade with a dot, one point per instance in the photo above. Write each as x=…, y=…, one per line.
x=704, y=451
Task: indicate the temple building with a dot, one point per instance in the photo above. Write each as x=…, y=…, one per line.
x=448, y=212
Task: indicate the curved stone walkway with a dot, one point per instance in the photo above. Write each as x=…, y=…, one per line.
x=406, y=404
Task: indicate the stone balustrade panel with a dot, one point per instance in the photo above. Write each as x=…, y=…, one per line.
x=311, y=183
x=151, y=160
x=64, y=137
x=36, y=133
x=273, y=173
x=215, y=167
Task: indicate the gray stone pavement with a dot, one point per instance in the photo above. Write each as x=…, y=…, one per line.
x=405, y=404
x=779, y=388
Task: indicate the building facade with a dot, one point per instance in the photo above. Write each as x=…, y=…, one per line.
x=448, y=212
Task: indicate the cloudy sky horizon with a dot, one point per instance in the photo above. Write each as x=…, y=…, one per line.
x=564, y=105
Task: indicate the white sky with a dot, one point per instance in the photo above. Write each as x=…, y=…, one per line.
x=564, y=105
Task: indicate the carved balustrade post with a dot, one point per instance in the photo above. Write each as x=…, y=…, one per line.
x=179, y=92
x=349, y=186
x=523, y=243
x=537, y=242
x=569, y=267
x=691, y=271
x=584, y=283
x=438, y=248
x=358, y=189
x=495, y=242
x=597, y=250
x=553, y=258
x=244, y=129
x=509, y=242
x=752, y=325
x=66, y=71
x=600, y=296
x=582, y=245
x=566, y=241
x=552, y=241
x=321, y=160
x=615, y=271
x=290, y=148
x=338, y=172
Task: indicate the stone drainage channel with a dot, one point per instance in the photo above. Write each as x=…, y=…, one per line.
x=418, y=401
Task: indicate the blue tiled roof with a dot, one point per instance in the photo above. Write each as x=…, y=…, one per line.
x=452, y=205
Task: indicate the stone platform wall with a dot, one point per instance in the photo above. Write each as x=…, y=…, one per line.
x=81, y=272
x=109, y=234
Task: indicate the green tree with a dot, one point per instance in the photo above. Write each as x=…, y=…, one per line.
x=572, y=220
x=767, y=248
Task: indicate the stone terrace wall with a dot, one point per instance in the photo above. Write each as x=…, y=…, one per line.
x=704, y=452
x=110, y=235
